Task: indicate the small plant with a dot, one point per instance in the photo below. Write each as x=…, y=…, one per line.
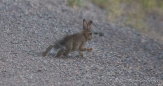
x=75, y=3
x=101, y=3
x=133, y=11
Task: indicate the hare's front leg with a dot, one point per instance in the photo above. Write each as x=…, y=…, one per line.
x=89, y=49
x=86, y=49
x=82, y=48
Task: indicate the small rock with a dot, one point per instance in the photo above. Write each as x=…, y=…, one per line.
x=99, y=33
x=39, y=70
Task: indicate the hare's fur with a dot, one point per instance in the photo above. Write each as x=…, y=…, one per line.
x=74, y=42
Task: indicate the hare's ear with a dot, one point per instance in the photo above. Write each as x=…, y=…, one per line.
x=84, y=24
x=89, y=24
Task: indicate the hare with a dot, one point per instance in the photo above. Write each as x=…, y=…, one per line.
x=74, y=42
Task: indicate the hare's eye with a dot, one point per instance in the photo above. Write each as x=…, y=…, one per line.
x=90, y=33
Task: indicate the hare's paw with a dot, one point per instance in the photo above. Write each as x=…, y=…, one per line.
x=81, y=54
x=44, y=54
x=90, y=49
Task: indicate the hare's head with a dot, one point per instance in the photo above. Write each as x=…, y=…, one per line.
x=86, y=29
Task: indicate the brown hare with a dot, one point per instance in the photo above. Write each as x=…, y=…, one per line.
x=74, y=42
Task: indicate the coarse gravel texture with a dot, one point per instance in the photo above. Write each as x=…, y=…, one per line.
x=121, y=57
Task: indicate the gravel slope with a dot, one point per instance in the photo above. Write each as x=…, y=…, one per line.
x=122, y=57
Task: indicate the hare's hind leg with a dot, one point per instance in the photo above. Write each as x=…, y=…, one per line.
x=47, y=50
x=60, y=52
x=89, y=49
x=68, y=50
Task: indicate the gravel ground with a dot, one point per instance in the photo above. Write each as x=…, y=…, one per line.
x=122, y=57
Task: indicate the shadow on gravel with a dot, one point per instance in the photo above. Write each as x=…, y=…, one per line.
x=51, y=55
x=64, y=57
